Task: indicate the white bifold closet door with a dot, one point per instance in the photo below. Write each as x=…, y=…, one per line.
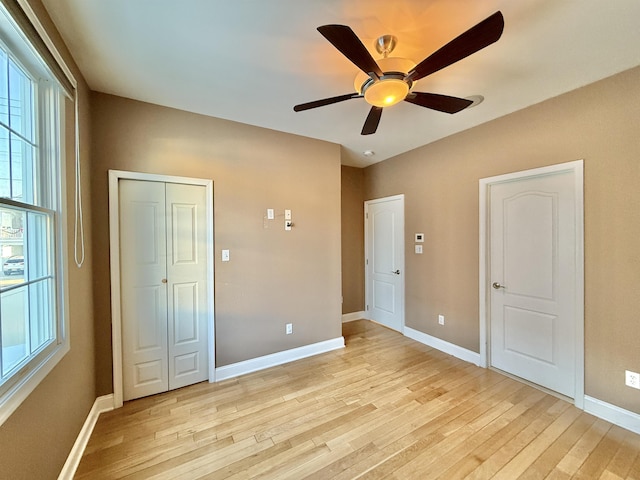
x=164, y=299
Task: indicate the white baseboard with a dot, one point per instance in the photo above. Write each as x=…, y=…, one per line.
x=350, y=317
x=102, y=404
x=443, y=346
x=611, y=413
x=274, y=359
x=606, y=411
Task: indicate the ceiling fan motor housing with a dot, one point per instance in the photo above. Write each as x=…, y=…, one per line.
x=392, y=87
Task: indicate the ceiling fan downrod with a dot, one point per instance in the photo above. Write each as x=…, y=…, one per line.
x=385, y=45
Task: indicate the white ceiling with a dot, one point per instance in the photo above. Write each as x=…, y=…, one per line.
x=251, y=61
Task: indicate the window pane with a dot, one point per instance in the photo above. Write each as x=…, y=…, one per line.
x=37, y=264
x=12, y=250
x=4, y=88
x=20, y=101
x=15, y=332
x=5, y=164
x=41, y=313
x=16, y=168
x=17, y=159
x=21, y=168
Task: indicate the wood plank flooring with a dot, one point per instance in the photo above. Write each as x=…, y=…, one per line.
x=383, y=407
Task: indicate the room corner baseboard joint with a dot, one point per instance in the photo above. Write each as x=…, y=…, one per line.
x=350, y=317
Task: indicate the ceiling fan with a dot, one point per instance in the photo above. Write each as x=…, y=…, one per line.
x=390, y=80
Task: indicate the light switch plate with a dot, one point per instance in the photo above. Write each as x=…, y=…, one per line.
x=225, y=255
x=418, y=249
x=287, y=214
x=270, y=214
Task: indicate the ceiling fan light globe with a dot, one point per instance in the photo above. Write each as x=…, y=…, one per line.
x=386, y=93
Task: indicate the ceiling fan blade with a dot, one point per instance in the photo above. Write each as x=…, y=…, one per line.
x=371, y=123
x=476, y=38
x=325, y=101
x=343, y=38
x=442, y=103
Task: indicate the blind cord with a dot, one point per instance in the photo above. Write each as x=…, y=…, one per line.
x=78, y=229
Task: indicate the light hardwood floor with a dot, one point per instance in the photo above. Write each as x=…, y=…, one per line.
x=383, y=407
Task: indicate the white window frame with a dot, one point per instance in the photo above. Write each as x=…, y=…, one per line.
x=51, y=162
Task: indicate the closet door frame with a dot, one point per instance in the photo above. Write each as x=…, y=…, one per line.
x=114, y=242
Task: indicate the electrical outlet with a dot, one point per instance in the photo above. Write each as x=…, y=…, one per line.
x=632, y=379
x=441, y=319
x=289, y=328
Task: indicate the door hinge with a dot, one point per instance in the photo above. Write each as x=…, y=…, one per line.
x=367, y=307
x=366, y=215
x=367, y=261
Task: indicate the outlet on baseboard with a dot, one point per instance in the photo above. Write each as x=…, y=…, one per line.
x=632, y=379
x=441, y=319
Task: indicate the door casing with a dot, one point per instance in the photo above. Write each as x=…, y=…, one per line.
x=114, y=244
x=576, y=168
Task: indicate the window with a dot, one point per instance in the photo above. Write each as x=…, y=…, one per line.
x=32, y=322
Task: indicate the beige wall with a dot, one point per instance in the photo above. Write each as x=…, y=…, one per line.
x=352, y=239
x=598, y=123
x=36, y=439
x=274, y=277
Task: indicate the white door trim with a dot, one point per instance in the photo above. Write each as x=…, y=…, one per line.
x=367, y=280
x=114, y=247
x=576, y=167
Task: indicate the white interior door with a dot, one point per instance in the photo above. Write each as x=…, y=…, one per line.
x=187, y=279
x=143, y=261
x=163, y=293
x=385, y=261
x=532, y=279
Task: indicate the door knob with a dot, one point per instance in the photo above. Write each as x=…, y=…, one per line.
x=497, y=286
x=164, y=280
x=397, y=272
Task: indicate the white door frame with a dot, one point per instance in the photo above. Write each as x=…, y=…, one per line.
x=367, y=279
x=576, y=167
x=114, y=246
